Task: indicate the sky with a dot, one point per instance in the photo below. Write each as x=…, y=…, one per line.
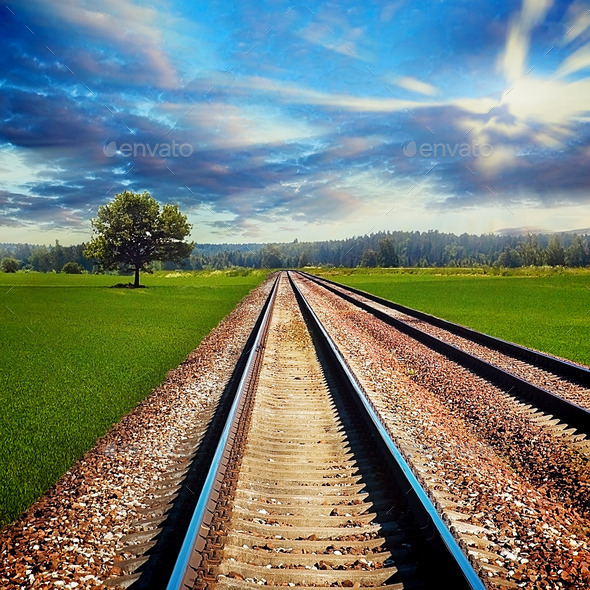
x=270, y=121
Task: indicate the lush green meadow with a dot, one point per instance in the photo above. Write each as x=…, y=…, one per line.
x=543, y=308
x=77, y=355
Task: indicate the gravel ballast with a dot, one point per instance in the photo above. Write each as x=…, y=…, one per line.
x=560, y=386
x=505, y=483
x=70, y=537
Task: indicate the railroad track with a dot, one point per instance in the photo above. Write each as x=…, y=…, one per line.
x=559, y=389
x=306, y=487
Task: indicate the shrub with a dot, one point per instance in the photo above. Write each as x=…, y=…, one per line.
x=9, y=265
x=72, y=268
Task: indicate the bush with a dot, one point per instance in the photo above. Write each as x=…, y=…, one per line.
x=9, y=265
x=72, y=268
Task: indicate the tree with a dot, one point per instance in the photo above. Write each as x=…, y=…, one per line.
x=132, y=231
x=57, y=256
x=9, y=264
x=509, y=258
x=530, y=252
x=196, y=262
x=72, y=268
x=577, y=253
x=39, y=259
x=272, y=257
x=387, y=256
x=303, y=259
x=369, y=258
x=555, y=254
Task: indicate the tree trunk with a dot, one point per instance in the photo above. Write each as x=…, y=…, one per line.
x=136, y=283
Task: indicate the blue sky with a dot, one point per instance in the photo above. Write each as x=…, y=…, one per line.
x=270, y=121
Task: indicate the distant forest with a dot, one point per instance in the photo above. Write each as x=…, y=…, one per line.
x=385, y=249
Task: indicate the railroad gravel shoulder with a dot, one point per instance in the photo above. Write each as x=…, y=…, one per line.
x=70, y=537
x=480, y=467
x=570, y=391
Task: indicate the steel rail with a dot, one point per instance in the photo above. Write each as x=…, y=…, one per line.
x=183, y=574
x=559, y=367
x=470, y=576
x=569, y=412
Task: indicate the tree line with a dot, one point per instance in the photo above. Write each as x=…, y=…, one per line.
x=386, y=249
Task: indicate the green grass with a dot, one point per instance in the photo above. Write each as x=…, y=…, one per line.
x=77, y=355
x=547, y=309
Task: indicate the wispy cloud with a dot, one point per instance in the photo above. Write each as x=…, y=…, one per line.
x=331, y=32
x=417, y=86
x=579, y=60
x=578, y=24
x=513, y=61
x=131, y=29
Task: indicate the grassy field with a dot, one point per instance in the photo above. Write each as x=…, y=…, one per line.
x=77, y=355
x=547, y=309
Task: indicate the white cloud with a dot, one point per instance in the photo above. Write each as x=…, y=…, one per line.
x=577, y=61
x=291, y=93
x=550, y=102
x=223, y=125
x=331, y=32
x=578, y=21
x=15, y=169
x=414, y=85
x=513, y=60
x=534, y=11
x=502, y=158
x=389, y=9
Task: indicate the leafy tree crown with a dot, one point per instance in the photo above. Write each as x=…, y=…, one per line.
x=133, y=230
